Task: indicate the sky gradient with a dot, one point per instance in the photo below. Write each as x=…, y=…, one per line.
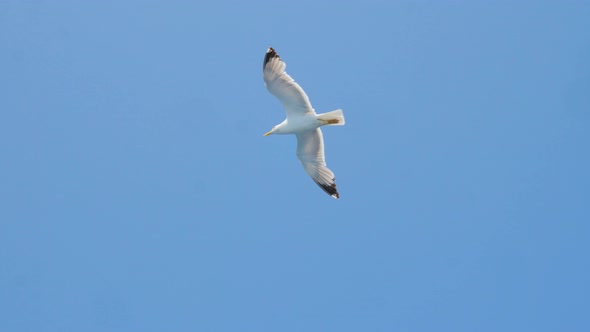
x=137, y=192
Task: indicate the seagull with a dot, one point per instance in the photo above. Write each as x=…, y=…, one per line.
x=302, y=121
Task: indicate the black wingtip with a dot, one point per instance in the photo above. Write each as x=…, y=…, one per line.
x=270, y=54
x=330, y=189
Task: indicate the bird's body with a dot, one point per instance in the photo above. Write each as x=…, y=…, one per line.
x=302, y=121
x=297, y=124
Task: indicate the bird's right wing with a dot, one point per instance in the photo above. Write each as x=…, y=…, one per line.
x=282, y=86
x=310, y=152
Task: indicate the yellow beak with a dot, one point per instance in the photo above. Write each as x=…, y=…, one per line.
x=270, y=132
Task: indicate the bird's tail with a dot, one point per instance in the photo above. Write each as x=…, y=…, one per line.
x=334, y=118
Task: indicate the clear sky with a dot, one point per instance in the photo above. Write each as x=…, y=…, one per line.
x=137, y=192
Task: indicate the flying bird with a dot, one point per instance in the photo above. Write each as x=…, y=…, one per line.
x=302, y=120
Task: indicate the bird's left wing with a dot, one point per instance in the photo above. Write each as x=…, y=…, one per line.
x=310, y=152
x=282, y=86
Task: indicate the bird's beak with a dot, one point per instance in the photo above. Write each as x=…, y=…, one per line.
x=270, y=132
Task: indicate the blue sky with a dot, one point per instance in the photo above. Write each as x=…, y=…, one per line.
x=138, y=194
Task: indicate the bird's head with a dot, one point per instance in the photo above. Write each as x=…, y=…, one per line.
x=272, y=131
x=278, y=129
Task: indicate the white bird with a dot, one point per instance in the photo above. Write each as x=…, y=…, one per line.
x=302, y=121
